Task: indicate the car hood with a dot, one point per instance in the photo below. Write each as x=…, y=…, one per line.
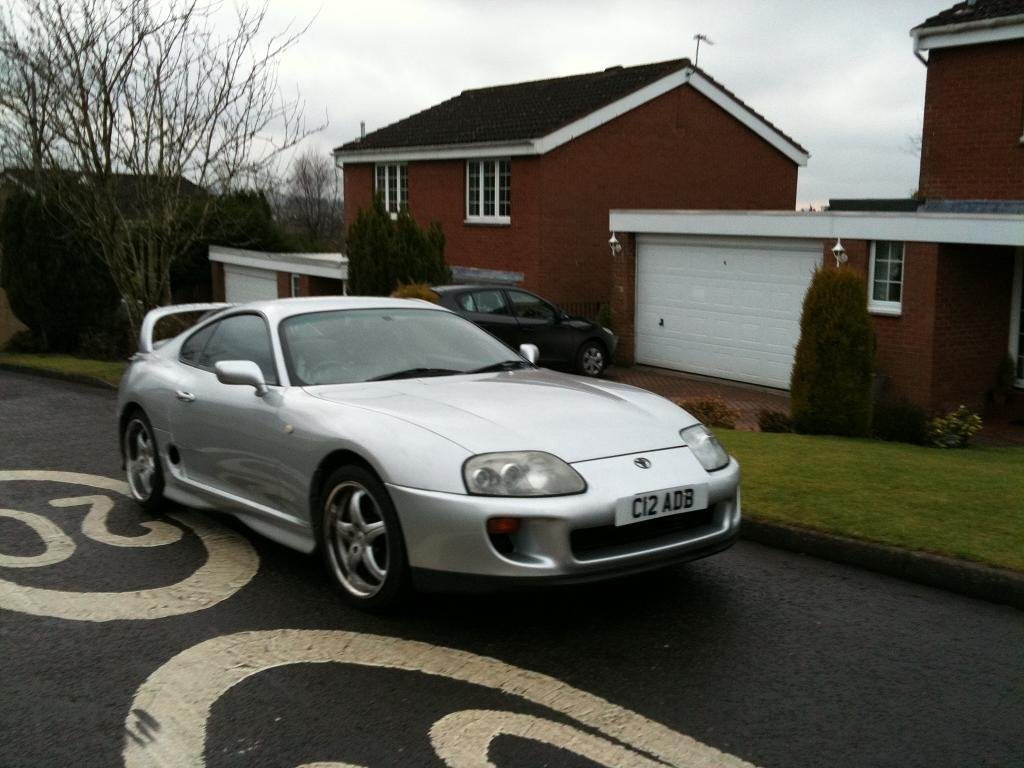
x=573, y=418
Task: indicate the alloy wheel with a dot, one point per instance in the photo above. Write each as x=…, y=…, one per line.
x=140, y=459
x=357, y=539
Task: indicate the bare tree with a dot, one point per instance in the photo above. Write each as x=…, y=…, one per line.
x=134, y=111
x=310, y=203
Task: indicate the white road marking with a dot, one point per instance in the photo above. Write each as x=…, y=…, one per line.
x=180, y=694
x=95, y=524
x=59, y=546
x=463, y=739
x=231, y=561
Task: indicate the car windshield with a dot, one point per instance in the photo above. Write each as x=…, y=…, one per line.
x=350, y=345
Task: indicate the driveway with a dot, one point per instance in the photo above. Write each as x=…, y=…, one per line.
x=191, y=641
x=748, y=399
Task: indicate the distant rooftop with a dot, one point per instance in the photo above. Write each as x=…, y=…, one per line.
x=978, y=10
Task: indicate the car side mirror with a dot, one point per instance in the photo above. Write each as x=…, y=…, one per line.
x=244, y=372
x=530, y=352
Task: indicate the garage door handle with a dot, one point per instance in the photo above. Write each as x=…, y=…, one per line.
x=661, y=321
x=185, y=397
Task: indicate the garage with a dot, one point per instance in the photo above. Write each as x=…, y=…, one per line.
x=727, y=307
x=242, y=284
x=241, y=276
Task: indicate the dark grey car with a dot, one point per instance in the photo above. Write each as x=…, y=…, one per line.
x=519, y=317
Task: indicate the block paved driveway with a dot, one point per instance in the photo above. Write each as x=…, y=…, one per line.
x=189, y=641
x=748, y=399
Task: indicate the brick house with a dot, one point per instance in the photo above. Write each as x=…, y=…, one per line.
x=944, y=270
x=522, y=177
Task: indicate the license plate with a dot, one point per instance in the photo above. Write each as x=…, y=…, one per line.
x=653, y=504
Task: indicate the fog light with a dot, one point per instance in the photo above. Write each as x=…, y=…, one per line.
x=506, y=525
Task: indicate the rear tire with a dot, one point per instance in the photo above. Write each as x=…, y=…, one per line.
x=142, y=462
x=361, y=539
x=592, y=359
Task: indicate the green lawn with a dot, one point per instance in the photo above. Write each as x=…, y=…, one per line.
x=961, y=503
x=104, y=370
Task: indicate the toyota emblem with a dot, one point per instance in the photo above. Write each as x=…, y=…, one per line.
x=642, y=463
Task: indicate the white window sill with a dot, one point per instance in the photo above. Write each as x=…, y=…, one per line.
x=488, y=221
x=886, y=310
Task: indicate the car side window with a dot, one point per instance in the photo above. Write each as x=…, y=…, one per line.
x=193, y=346
x=526, y=306
x=490, y=302
x=241, y=337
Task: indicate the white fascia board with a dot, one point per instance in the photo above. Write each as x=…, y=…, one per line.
x=440, y=152
x=986, y=229
x=333, y=265
x=565, y=134
x=705, y=87
x=968, y=33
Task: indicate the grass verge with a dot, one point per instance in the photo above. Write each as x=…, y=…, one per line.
x=966, y=504
x=107, y=371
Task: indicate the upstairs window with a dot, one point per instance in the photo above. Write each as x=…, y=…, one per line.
x=392, y=183
x=886, y=278
x=489, y=191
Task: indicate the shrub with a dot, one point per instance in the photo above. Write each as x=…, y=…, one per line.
x=26, y=341
x=56, y=284
x=899, y=421
x=385, y=252
x=415, y=291
x=604, y=317
x=830, y=388
x=711, y=410
x=774, y=421
x=955, y=429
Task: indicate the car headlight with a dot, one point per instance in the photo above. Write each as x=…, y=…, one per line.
x=705, y=447
x=520, y=473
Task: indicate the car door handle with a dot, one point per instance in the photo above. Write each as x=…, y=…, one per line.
x=185, y=397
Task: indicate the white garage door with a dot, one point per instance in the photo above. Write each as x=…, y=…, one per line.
x=243, y=284
x=724, y=307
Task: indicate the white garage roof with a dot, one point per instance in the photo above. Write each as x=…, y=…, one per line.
x=967, y=228
x=334, y=265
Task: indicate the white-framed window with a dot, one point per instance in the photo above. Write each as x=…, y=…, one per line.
x=296, y=284
x=885, y=279
x=489, y=191
x=391, y=181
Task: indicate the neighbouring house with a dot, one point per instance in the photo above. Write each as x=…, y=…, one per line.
x=719, y=293
x=240, y=275
x=522, y=176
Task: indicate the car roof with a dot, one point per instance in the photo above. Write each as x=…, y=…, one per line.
x=278, y=309
x=472, y=286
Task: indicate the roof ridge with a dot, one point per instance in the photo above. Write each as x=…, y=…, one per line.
x=616, y=69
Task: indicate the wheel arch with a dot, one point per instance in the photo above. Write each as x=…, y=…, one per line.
x=327, y=465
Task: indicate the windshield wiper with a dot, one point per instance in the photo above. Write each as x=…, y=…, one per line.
x=504, y=365
x=415, y=373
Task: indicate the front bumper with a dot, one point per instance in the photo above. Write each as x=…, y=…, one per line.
x=568, y=539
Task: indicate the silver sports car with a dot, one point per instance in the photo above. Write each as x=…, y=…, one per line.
x=415, y=450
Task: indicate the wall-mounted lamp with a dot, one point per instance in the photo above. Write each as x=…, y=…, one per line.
x=615, y=245
x=838, y=252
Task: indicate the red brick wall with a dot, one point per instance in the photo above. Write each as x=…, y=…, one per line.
x=623, y=299
x=973, y=123
x=677, y=151
x=946, y=346
x=972, y=323
x=905, y=351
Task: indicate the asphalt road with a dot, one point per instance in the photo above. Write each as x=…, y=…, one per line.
x=214, y=646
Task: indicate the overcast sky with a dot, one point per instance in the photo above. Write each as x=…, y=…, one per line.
x=839, y=77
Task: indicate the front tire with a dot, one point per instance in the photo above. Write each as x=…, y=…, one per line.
x=361, y=539
x=592, y=359
x=142, y=463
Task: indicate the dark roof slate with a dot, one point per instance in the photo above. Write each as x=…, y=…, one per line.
x=980, y=10
x=523, y=111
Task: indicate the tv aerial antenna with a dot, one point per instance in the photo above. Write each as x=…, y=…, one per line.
x=698, y=37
